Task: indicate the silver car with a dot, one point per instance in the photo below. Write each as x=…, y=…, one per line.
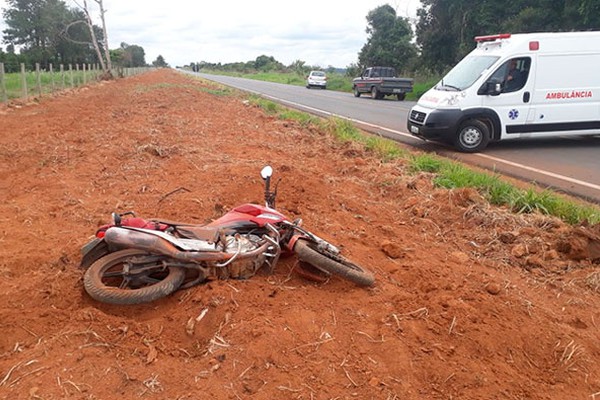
x=316, y=79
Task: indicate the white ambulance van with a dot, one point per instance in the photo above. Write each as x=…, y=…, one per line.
x=515, y=86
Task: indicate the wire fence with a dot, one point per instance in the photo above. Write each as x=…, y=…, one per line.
x=37, y=83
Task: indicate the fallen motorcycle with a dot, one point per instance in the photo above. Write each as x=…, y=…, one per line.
x=134, y=260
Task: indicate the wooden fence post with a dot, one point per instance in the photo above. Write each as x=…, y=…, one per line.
x=62, y=77
x=3, y=84
x=38, y=79
x=52, y=76
x=23, y=83
x=43, y=83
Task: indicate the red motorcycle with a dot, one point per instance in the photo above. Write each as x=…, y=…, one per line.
x=133, y=260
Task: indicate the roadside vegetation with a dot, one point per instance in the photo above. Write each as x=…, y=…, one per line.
x=446, y=173
x=32, y=83
x=335, y=80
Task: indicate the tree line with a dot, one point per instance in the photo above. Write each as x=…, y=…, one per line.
x=445, y=29
x=444, y=32
x=49, y=32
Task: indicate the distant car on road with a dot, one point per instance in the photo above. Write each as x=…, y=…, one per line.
x=316, y=79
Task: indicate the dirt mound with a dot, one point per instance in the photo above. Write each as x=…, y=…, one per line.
x=471, y=301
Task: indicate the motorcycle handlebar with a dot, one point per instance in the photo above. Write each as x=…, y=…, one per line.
x=270, y=196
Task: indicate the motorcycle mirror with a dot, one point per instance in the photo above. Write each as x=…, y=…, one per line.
x=116, y=219
x=266, y=172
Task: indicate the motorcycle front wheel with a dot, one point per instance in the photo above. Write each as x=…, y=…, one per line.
x=333, y=263
x=131, y=277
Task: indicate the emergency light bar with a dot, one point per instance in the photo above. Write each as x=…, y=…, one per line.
x=490, y=38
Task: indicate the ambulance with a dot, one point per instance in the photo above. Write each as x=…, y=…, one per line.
x=515, y=86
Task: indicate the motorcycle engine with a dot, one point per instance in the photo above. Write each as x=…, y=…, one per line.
x=241, y=269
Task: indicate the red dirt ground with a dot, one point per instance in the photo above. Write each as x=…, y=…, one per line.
x=470, y=302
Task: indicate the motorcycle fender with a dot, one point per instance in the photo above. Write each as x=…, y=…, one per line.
x=321, y=244
x=292, y=242
x=92, y=251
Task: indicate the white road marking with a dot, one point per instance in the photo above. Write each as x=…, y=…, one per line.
x=541, y=171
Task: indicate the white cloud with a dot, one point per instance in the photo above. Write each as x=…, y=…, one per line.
x=323, y=33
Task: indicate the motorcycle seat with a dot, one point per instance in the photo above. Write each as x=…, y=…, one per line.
x=208, y=234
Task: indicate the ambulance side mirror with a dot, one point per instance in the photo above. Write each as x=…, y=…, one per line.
x=492, y=87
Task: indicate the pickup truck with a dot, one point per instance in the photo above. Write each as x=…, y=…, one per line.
x=380, y=82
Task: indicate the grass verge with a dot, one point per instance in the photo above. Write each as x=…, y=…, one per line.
x=449, y=174
x=44, y=83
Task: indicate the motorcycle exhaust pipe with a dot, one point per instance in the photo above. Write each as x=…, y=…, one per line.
x=147, y=241
x=130, y=239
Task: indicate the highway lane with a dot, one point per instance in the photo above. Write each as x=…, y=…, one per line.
x=569, y=164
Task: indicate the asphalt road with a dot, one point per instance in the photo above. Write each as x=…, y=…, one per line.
x=570, y=164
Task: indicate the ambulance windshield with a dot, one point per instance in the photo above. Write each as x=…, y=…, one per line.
x=466, y=72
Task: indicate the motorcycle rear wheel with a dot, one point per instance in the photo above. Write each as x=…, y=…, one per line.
x=131, y=277
x=333, y=264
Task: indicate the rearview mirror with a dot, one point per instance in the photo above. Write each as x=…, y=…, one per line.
x=266, y=172
x=492, y=87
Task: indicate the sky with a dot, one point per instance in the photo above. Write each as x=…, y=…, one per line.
x=319, y=32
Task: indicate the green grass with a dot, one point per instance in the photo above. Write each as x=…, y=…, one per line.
x=49, y=82
x=446, y=173
x=268, y=106
x=303, y=118
x=450, y=175
x=419, y=88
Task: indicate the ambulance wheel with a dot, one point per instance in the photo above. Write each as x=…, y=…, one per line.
x=473, y=136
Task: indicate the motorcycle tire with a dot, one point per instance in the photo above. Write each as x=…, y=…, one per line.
x=333, y=264
x=94, y=250
x=106, y=281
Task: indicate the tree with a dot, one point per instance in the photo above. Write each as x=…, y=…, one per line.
x=37, y=27
x=103, y=54
x=299, y=67
x=117, y=56
x=353, y=70
x=133, y=55
x=446, y=28
x=437, y=35
x=389, y=40
x=47, y=31
x=267, y=63
x=11, y=60
x=589, y=11
x=160, y=62
x=76, y=47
